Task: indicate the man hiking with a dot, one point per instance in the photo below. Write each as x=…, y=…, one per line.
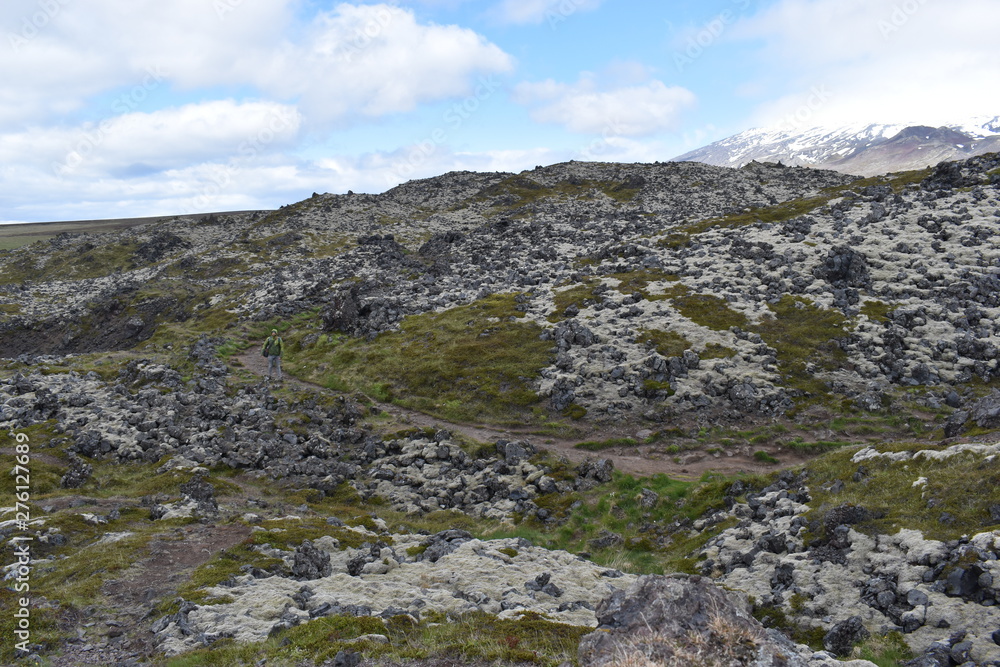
x=273, y=347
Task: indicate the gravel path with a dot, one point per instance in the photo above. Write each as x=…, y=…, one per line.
x=641, y=461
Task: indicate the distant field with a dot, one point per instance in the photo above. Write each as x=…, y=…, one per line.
x=11, y=242
x=16, y=236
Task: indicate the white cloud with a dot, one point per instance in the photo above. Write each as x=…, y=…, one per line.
x=376, y=60
x=879, y=60
x=586, y=108
x=156, y=141
x=538, y=11
x=354, y=59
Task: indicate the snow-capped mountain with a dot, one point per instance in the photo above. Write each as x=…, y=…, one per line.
x=856, y=149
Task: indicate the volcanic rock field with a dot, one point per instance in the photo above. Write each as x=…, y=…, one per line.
x=183, y=506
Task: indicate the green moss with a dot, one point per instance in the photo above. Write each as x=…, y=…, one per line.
x=581, y=296
x=50, y=624
x=716, y=351
x=803, y=334
x=287, y=534
x=509, y=552
x=888, y=650
x=709, y=311
x=876, y=311
x=959, y=486
x=654, y=388
x=764, y=457
x=518, y=191
x=599, y=445
x=575, y=412
x=666, y=343
x=638, y=282
x=475, y=362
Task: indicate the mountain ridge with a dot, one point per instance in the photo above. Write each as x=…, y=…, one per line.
x=863, y=149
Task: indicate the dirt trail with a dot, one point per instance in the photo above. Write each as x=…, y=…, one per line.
x=634, y=460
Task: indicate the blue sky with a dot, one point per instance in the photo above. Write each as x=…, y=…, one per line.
x=114, y=108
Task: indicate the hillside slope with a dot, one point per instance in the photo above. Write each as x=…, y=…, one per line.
x=184, y=510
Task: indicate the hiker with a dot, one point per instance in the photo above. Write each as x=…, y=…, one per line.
x=273, y=347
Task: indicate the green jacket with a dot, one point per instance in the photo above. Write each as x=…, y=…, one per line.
x=273, y=346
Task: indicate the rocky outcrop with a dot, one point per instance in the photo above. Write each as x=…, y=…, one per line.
x=392, y=575
x=921, y=254
x=850, y=583
x=688, y=621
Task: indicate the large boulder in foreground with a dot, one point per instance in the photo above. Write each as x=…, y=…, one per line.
x=689, y=621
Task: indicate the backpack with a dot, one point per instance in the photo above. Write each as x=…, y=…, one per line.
x=267, y=347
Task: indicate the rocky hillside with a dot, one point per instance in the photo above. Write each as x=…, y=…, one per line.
x=417, y=491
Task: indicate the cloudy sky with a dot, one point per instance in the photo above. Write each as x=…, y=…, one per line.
x=115, y=108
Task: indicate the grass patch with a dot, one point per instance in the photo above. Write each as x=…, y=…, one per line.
x=474, y=362
x=88, y=260
x=599, y=445
x=639, y=281
x=716, y=351
x=518, y=191
x=955, y=499
x=888, y=650
x=877, y=311
x=666, y=343
x=581, y=296
x=49, y=625
x=469, y=638
x=76, y=580
x=709, y=311
x=763, y=457
x=803, y=334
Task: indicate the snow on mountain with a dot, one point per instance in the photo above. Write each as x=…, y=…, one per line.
x=865, y=149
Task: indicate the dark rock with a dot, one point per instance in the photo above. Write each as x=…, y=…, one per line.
x=515, y=452
x=986, y=411
x=956, y=423
x=599, y=470
x=78, y=474
x=606, y=539
x=443, y=543
x=310, y=562
x=845, y=514
x=844, y=635
x=347, y=659
x=844, y=267
x=673, y=621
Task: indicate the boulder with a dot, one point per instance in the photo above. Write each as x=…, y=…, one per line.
x=685, y=621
